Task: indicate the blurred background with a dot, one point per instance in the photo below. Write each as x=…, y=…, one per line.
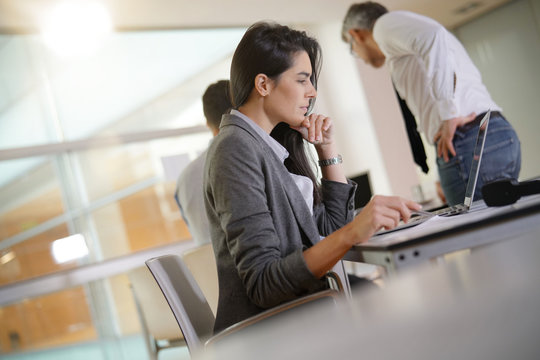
x=100, y=109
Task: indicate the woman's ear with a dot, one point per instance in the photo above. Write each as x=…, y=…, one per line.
x=262, y=84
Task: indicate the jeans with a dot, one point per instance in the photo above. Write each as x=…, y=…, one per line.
x=501, y=159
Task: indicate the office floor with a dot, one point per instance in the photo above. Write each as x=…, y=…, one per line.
x=128, y=348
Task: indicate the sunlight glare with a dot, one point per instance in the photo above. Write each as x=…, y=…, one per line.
x=69, y=248
x=76, y=28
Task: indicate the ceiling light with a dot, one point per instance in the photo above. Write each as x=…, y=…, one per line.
x=69, y=248
x=76, y=27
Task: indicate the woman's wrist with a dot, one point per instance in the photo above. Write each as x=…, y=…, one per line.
x=326, y=151
x=331, y=161
x=328, y=155
x=349, y=235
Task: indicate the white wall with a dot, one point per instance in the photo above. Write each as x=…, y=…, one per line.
x=340, y=96
x=369, y=126
x=389, y=128
x=505, y=46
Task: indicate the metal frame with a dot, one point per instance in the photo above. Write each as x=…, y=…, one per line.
x=82, y=275
x=413, y=251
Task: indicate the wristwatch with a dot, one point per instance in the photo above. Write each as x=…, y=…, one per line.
x=332, y=161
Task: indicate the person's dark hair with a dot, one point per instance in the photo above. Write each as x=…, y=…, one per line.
x=269, y=48
x=298, y=162
x=361, y=16
x=216, y=102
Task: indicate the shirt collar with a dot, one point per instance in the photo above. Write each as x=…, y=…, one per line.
x=276, y=147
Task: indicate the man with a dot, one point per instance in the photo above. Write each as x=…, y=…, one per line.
x=189, y=188
x=433, y=73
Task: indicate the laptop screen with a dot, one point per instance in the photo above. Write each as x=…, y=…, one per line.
x=477, y=157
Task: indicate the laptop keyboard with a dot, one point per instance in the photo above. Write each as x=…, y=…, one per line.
x=418, y=218
x=452, y=210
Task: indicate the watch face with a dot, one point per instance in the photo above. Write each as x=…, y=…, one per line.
x=336, y=160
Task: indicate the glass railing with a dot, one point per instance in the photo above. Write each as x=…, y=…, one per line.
x=88, y=312
x=88, y=206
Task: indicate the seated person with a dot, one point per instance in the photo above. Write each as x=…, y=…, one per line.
x=266, y=222
x=189, y=186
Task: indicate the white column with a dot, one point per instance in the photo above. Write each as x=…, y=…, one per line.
x=370, y=128
x=341, y=96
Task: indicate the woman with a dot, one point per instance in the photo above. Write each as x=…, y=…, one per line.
x=266, y=222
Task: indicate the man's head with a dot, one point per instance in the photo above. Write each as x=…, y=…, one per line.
x=357, y=30
x=216, y=102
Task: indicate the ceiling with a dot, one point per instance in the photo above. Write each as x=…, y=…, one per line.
x=23, y=16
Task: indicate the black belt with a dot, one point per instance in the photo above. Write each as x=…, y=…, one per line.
x=468, y=126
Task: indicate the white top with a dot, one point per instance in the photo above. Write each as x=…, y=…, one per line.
x=304, y=184
x=189, y=194
x=423, y=58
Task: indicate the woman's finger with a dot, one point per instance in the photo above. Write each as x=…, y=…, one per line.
x=327, y=124
x=312, y=128
x=318, y=128
x=396, y=207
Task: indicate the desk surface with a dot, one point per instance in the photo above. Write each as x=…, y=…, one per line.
x=438, y=226
x=484, y=306
x=443, y=235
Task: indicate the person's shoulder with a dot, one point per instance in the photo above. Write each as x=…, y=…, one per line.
x=193, y=170
x=394, y=14
x=400, y=22
x=234, y=146
x=391, y=20
x=196, y=163
x=402, y=16
x=234, y=135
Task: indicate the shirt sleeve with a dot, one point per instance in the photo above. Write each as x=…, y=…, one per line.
x=337, y=207
x=402, y=33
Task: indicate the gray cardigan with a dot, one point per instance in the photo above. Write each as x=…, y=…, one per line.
x=260, y=224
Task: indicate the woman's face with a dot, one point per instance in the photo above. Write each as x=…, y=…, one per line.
x=289, y=97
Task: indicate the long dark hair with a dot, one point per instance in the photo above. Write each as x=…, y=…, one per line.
x=269, y=48
x=298, y=161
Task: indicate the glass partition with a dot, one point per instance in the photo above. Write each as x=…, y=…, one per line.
x=52, y=320
x=96, y=321
x=90, y=150
x=93, y=205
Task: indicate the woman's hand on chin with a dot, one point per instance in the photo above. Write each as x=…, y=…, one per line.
x=316, y=129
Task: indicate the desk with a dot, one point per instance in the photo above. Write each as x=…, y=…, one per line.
x=442, y=235
x=484, y=306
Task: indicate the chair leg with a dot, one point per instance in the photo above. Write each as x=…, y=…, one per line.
x=150, y=342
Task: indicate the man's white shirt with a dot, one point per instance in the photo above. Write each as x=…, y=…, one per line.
x=423, y=58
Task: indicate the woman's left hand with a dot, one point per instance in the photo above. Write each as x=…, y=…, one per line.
x=317, y=129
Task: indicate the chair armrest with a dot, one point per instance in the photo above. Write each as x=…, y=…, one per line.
x=334, y=281
x=330, y=293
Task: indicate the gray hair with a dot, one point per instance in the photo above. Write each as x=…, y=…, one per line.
x=361, y=16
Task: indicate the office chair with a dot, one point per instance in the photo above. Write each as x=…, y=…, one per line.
x=202, y=265
x=191, y=309
x=160, y=330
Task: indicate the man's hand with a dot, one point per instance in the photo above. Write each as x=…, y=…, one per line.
x=443, y=138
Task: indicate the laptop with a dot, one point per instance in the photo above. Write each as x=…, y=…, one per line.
x=419, y=217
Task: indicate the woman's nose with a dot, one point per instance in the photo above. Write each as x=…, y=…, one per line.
x=312, y=92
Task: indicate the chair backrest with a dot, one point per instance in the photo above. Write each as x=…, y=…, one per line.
x=185, y=299
x=157, y=315
x=202, y=265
